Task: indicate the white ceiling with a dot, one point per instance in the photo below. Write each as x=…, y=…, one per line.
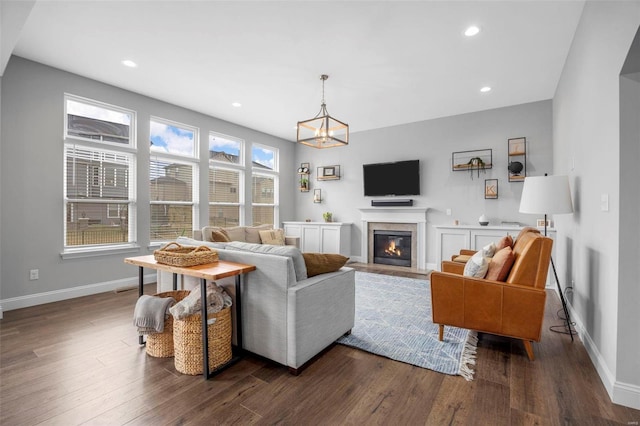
x=389, y=62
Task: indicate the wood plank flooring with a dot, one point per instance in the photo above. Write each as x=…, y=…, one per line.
x=78, y=362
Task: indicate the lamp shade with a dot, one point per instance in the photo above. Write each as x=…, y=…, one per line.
x=546, y=195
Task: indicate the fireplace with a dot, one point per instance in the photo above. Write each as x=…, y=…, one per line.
x=406, y=219
x=392, y=247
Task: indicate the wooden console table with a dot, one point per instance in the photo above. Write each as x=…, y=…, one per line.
x=211, y=272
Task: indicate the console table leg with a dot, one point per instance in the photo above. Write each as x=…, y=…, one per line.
x=175, y=281
x=140, y=291
x=239, y=313
x=205, y=329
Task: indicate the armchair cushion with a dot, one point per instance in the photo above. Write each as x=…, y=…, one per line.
x=500, y=265
x=506, y=241
x=477, y=265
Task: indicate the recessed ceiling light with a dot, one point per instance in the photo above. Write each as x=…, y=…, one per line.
x=485, y=89
x=471, y=31
x=129, y=63
x=236, y=104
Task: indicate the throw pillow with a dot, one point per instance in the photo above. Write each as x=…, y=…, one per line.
x=500, y=265
x=489, y=250
x=321, y=263
x=220, y=236
x=476, y=266
x=272, y=236
x=504, y=242
x=252, y=233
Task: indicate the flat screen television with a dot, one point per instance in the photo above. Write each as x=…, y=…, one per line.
x=396, y=178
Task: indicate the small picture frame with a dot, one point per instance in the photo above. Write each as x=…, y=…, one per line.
x=540, y=223
x=317, y=195
x=491, y=189
x=328, y=173
x=517, y=146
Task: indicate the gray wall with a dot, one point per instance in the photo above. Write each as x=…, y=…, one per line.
x=31, y=180
x=592, y=243
x=432, y=142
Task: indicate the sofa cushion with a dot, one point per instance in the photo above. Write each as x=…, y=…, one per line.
x=476, y=266
x=290, y=251
x=500, y=265
x=220, y=236
x=272, y=236
x=321, y=263
x=252, y=233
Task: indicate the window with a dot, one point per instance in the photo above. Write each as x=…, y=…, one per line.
x=226, y=180
x=173, y=172
x=99, y=175
x=264, y=185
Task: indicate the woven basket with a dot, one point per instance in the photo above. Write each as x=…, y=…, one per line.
x=185, y=256
x=160, y=345
x=187, y=338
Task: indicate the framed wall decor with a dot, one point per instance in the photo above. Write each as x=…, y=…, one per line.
x=328, y=173
x=491, y=189
x=517, y=166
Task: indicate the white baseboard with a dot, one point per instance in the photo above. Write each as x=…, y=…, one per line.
x=619, y=392
x=70, y=293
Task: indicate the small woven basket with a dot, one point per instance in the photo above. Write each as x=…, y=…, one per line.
x=185, y=255
x=187, y=339
x=160, y=345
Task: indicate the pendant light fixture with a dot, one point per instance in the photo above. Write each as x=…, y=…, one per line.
x=323, y=131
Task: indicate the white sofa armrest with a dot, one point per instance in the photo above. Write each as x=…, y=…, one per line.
x=321, y=309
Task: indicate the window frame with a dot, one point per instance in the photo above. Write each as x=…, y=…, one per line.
x=175, y=158
x=238, y=167
x=70, y=203
x=274, y=174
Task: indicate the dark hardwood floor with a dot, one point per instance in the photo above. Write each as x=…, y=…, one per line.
x=78, y=362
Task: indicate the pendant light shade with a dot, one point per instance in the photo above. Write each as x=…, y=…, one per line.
x=323, y=131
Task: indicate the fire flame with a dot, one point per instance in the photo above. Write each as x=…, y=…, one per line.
x=393, y=250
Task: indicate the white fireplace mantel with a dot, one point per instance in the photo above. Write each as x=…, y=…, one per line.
x=417, y=215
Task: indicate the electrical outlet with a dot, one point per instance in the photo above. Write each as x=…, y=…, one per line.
x=448, y=212
x=34, y=274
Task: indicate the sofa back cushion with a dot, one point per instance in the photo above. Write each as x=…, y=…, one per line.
x=252, y=233
x=290, y=251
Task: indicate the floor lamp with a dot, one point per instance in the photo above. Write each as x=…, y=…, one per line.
x=548, y=195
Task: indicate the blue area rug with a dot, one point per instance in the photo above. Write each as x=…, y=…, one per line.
x=393, y=319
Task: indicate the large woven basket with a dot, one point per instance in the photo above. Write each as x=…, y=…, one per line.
x=187, y=340
x=185, y=255
x=160, y=345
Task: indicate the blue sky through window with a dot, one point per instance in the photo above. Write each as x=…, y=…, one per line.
x=171, y=139
x=263, y=156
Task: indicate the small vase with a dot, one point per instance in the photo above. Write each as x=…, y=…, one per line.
x=483, y=220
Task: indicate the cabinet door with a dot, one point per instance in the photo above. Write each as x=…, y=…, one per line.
x=310, y=239
x=330, y=239
x=291, y=230
x=450, y=241
x=481, y=238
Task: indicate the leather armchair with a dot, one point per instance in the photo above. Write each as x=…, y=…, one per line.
x=514, y=308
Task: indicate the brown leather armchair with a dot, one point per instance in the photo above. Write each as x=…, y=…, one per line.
x=514, y=308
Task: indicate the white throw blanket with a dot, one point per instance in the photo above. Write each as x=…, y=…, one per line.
x=217, y=300
x=150, y=313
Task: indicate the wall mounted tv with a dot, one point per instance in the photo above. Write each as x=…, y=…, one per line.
x=397, y=178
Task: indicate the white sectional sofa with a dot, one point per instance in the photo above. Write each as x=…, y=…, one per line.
x=286, y=316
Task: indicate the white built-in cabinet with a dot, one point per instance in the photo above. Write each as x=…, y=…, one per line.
x=321, y=237
x=451, y=238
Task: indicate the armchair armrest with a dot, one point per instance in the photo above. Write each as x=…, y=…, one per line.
x=452, y=267
x=496, y=307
